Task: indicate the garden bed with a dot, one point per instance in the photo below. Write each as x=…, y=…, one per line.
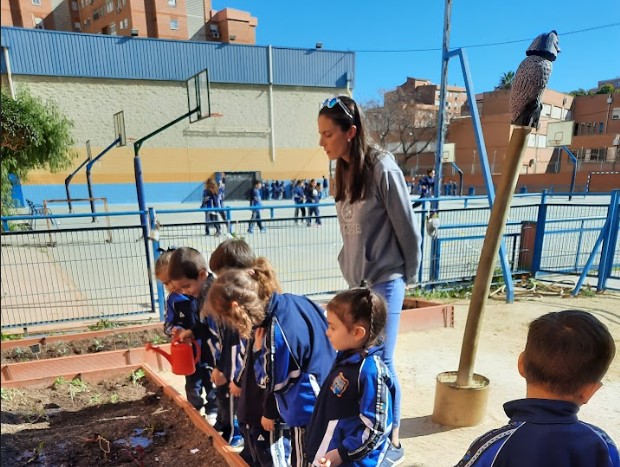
x=123, y=420
x=63, y=345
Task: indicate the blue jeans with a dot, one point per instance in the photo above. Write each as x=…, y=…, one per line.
x=394, y=294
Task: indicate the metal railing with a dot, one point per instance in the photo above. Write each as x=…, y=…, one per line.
x=85, y=271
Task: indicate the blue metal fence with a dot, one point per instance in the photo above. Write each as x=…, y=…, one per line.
x=83, y=271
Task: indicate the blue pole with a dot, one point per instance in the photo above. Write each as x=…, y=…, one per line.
x=540, y=234
x=609, y=242
x=161, y=294
x=486, y=170
x=574, y=175
x=588, y=265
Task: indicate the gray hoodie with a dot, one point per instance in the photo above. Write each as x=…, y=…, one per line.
x=380, y=234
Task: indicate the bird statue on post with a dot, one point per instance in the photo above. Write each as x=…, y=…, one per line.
x=531, y=79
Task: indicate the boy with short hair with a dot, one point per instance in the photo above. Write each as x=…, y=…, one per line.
x=565, y=358
x=188, y=269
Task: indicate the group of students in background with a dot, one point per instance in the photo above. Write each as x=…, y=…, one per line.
x=278, y=189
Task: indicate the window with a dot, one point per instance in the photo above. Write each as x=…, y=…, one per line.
x=126, y=23
x=74, y=6
x=546, y=110
x=36, y=2
x=601, y=127
x=38, y=23
x=174, y=24
x=77, y=27
x=172, y=3
x=121, y=24
x=556, y=112
x=113, y=29
x=615, y=113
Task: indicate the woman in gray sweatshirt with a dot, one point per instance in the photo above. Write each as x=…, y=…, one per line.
x=381, y=239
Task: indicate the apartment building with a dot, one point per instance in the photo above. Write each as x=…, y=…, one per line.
x=596, y=133
x=164, y=19
x=40, y=14
x=422, y=91
x=495, y=120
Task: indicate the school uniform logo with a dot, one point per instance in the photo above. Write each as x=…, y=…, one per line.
x=339, y=385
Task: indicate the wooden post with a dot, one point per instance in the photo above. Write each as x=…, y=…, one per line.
x=490, y=249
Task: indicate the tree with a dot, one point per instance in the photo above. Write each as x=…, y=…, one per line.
x=405, y=129
x=34, y=135
x=505, y=81
x=580, y=92
x=606, y=89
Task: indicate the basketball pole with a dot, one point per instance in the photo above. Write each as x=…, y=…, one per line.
x=144, y=223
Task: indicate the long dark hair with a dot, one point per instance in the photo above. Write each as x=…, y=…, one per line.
x=353, y=178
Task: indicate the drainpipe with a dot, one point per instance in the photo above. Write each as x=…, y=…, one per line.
x=271, y=116
x=5, y=51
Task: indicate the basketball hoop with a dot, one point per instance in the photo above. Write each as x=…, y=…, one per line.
x=214, y=114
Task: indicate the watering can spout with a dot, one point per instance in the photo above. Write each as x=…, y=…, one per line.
x=167, y=356
x=183, y=357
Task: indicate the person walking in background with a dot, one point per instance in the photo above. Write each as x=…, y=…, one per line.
x=300, y=198
x=325, y=186
x=426, y=186
x=352, y=418
x=256, y=202
x=313, y=196
x=369, y=185
x=212, y=200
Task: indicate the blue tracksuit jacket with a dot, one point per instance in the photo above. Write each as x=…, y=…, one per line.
x=297, y=356
x=354, y=411
x=542, y=433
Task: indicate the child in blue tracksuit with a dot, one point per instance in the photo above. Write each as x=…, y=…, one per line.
x=181, y=314
x=352, y=418
x=566, y=356
x=291, y=351
x=313, y=196
x=299, y=197
x=212, y=199
x=256, y=201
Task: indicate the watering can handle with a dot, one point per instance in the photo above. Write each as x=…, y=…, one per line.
x=194, y=344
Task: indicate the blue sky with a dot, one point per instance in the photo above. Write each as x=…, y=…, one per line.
x=378, y=31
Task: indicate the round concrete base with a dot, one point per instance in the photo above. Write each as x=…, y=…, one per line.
x=460, y=406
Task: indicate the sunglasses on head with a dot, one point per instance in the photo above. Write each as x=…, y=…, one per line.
x=331, y=102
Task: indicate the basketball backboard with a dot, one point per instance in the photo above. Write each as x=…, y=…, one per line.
x=119, y=128
x=559, y=133
x=198, y=96
x=447, y=152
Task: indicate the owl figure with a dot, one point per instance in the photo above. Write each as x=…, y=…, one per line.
x=531, y=79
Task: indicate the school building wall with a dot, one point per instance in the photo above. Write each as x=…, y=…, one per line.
x=177, y=161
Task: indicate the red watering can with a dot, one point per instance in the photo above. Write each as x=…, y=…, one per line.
x=181, y=356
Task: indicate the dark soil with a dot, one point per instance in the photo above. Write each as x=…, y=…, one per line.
x=122, y=421
x=119, y=341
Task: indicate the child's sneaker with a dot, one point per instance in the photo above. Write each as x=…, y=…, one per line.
x=393, y=456
x=236, y=443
